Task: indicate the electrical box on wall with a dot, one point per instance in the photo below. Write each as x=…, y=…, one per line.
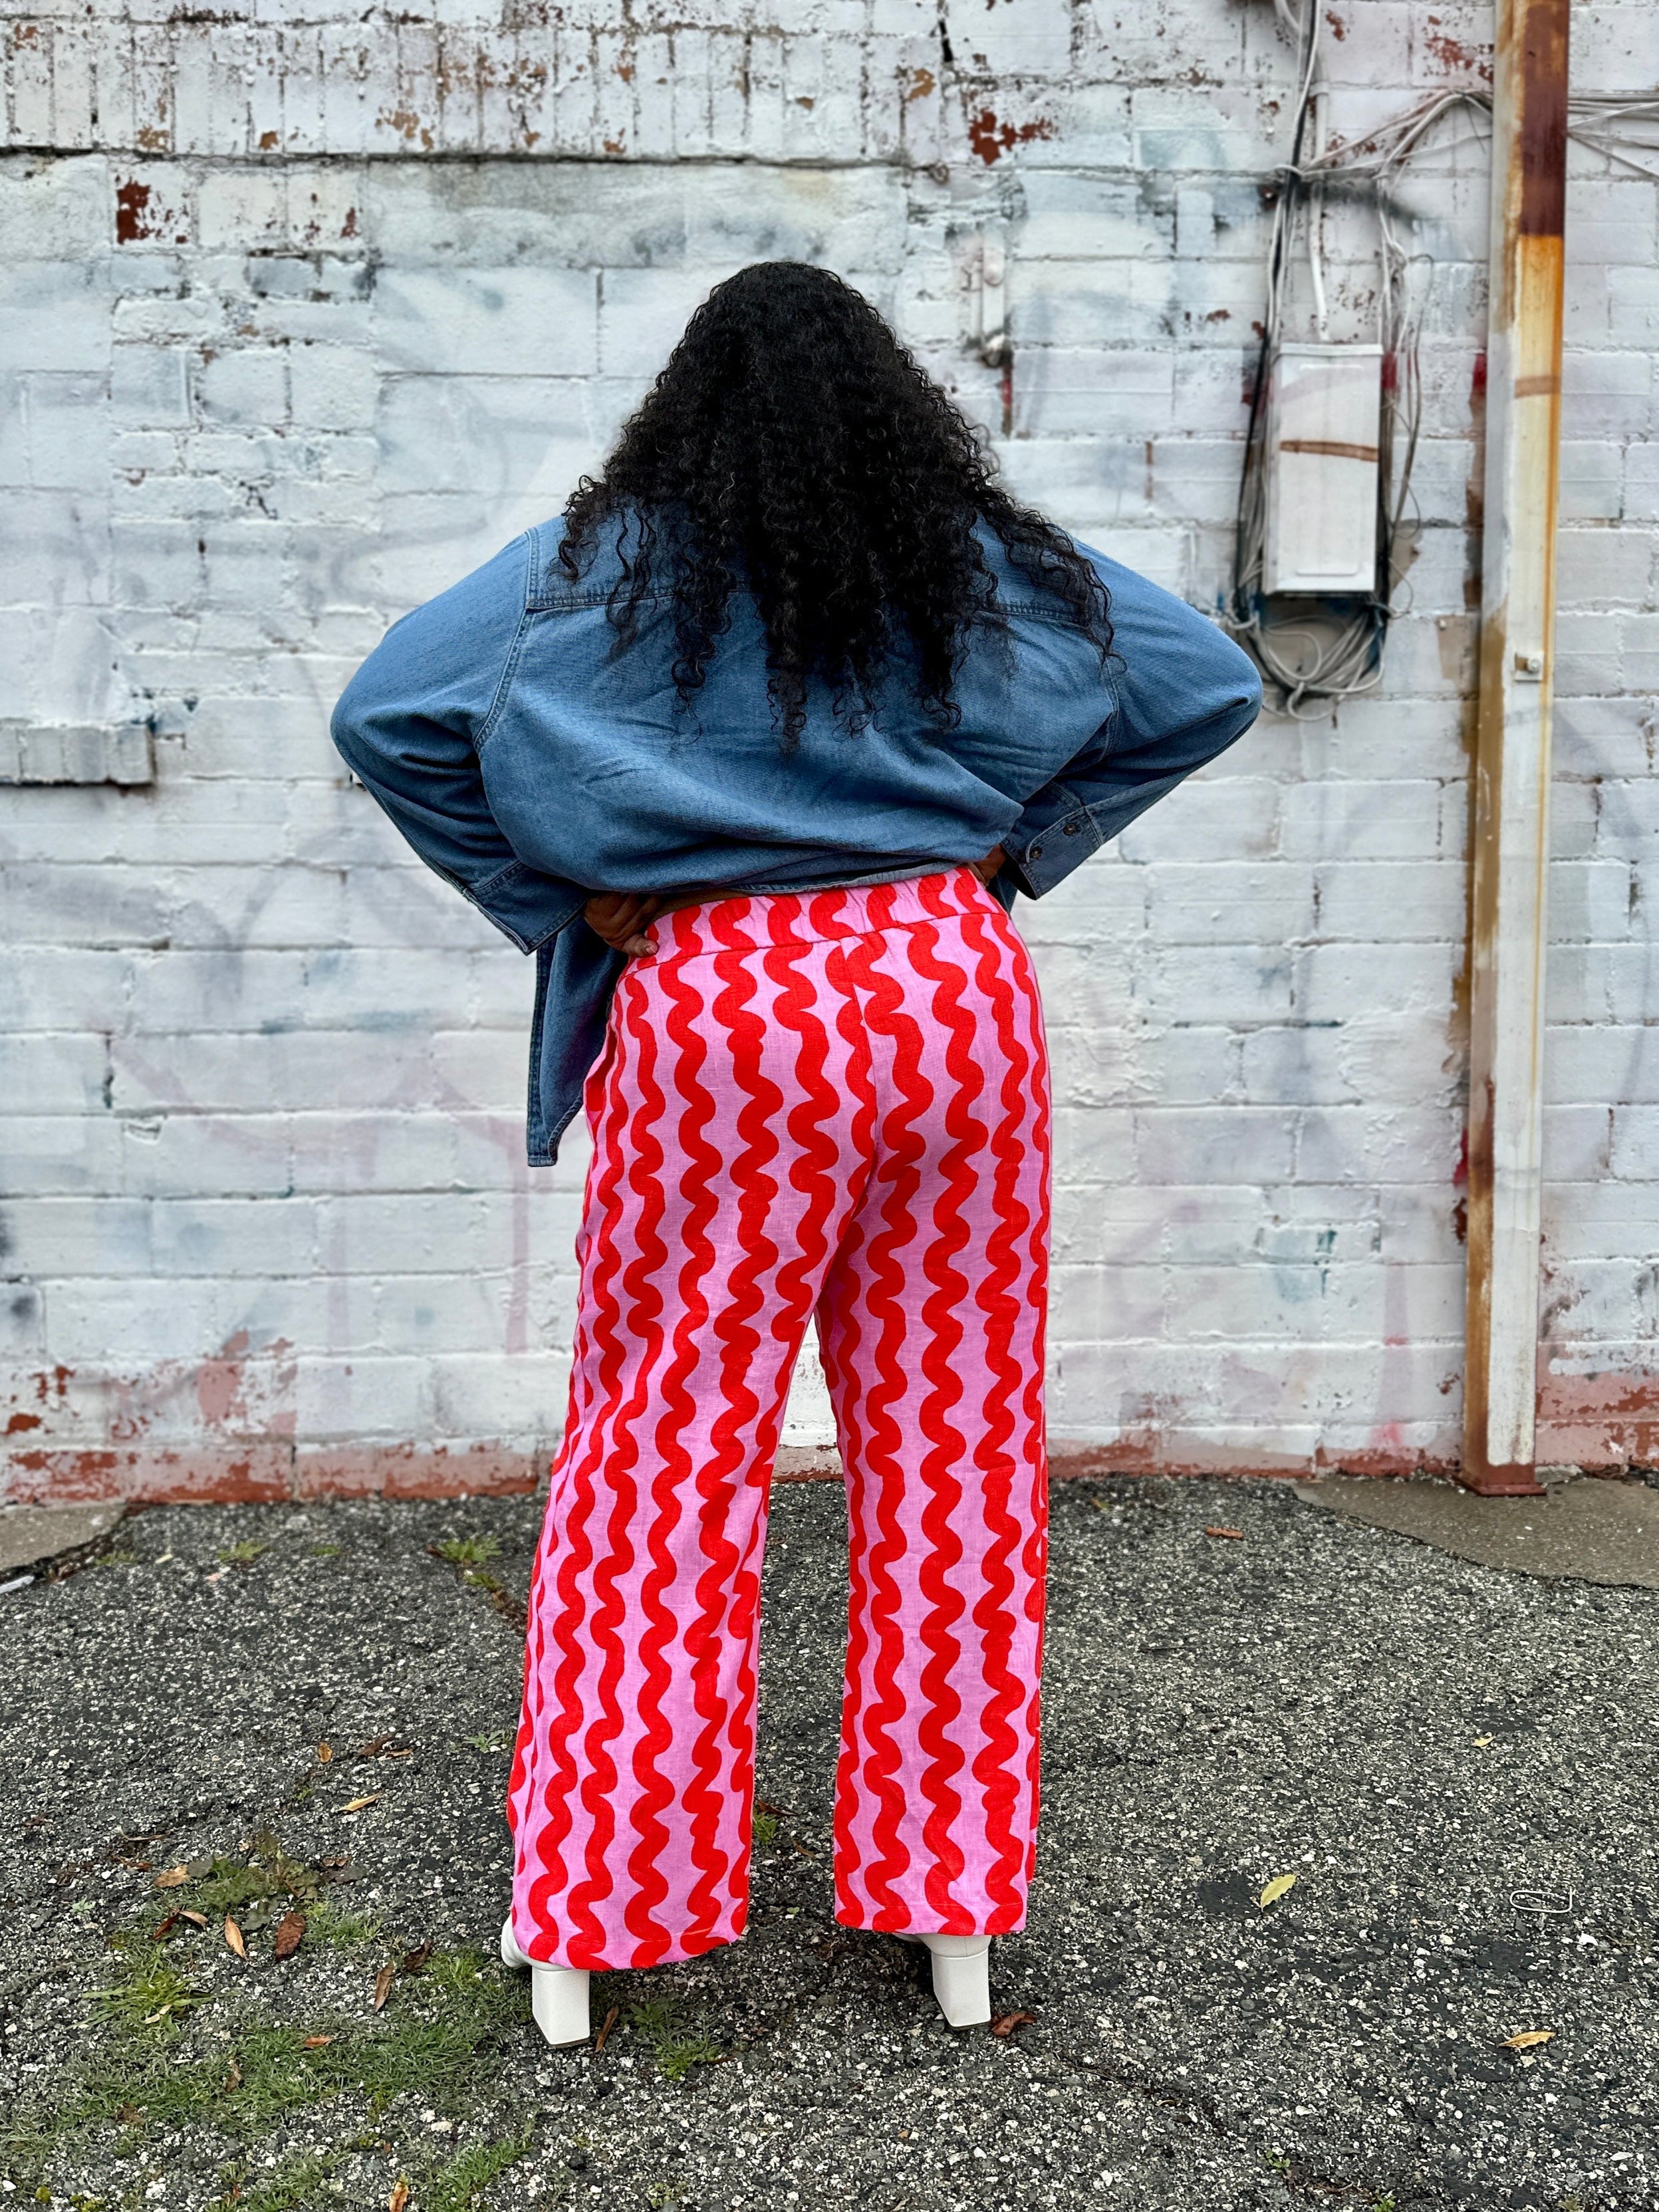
x=1324, y=410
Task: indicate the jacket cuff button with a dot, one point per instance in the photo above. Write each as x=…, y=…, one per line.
x=1034, y=853
x=1072, y=828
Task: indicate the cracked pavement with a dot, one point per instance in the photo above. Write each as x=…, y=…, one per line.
x=1456, y=1763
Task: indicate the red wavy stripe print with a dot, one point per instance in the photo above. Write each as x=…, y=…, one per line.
x=835, y=1101
x=556, y=1721
x=877, y=1717
x=643, y=1274
x=656, y=1782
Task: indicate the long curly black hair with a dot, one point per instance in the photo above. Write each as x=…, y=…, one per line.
x=793, y=447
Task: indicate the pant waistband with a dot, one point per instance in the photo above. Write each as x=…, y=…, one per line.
x=753, y=921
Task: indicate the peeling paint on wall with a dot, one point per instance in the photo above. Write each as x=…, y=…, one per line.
x=314, y=315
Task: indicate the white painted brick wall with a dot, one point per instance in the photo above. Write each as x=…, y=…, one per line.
x=273, y=373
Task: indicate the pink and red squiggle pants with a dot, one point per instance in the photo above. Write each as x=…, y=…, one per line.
x=834, y=1103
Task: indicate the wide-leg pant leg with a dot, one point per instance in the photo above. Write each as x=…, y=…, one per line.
x=731, y=1121
x=931, y=1325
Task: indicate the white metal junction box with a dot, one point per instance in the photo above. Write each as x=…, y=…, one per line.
x=1324, y=413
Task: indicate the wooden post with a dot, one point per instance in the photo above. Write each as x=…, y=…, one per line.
x=1508, y=923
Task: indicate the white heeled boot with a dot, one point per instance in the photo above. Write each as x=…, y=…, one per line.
x=558, y=1995
x=962, y=1976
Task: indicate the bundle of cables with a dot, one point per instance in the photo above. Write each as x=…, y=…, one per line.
x=1314, y=652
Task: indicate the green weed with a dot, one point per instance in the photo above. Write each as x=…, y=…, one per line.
x=676, y=2049
x=341, y=1929
x=295, y=2182
x=491, y=1740
x=148, y=1990
x=244, y=1553
x=458, y=2186
x=766, y=1830
x=466, y=1551
x=325, y=1550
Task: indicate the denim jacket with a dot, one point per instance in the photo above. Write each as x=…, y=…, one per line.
x=532, y=760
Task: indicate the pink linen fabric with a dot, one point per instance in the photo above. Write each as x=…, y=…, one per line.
x=833, y=1103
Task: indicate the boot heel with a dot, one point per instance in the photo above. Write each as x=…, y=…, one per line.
x=558, y=1995
x=961, y=1978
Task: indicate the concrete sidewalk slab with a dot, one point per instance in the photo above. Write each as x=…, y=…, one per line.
x=1589, y=1530
x=32, y=1533
x=1458, y=1766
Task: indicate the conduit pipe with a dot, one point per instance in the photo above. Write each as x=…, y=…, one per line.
x=1508, y=933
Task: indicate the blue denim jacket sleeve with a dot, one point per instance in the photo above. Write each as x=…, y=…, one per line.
x=412, y=722
x=1183, y=692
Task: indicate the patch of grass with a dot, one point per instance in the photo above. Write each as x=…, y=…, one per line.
x=435, y=2043
x=676, y=2055
x=677, y=2049
x=227, y=1884
x=459, y=2186
x=293, y=2183
x=340, y=1927
x=466, y=1551
x=325, y=1550
x=490, y=1740
x=456, y=1971
x=148, y=1989
x=766, y=1831
x=244, y=1553
x=115, y=1559
x=266, y=1871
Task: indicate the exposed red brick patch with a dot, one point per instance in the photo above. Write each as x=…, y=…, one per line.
x=1602, y=1422
x=1454, y=55
x=991, y=138
x=132, y=212
x=414, y=1471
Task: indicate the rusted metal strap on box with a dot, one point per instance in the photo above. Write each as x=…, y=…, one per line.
x=1512, y=756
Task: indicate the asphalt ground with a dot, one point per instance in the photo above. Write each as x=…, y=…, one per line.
x=1456, y=1763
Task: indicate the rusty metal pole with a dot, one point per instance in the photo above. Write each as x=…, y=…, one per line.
x=1508, y=939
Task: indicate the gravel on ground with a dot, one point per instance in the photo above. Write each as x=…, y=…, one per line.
x=1453, y=2005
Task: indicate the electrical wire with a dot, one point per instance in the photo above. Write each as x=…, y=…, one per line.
x=1333, y=649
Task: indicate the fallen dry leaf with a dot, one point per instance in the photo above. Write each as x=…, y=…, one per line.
x=400, y=2196
x=1528, y=2038
x=234, y=1938
x=383, y=1981
x=605, y=2027
x=171, y=1922
x=234, y=2079
x=1006, y=2022
x=324, y=1752
x=196, y=1919
x=1216, y=1529
x=128, y=2114
x=362, y=1804
x=290, y=1929
x=414, y=1962
x=1481, y=1742
x=765, y=1805
x=315, y=2042
x=174, y=1878
x=1280, y=1885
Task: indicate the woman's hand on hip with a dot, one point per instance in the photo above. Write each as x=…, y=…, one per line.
x=988, y=867
x=620, y=918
